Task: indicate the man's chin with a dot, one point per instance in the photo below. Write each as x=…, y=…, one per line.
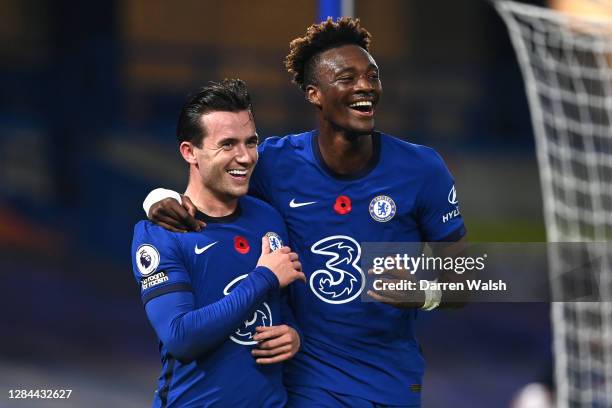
x=238, y=192
x=358, y=132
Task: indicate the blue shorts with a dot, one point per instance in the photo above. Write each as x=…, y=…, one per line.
x=307, y=397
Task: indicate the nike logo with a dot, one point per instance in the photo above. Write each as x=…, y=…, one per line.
x=198, y=251
x=293, y=204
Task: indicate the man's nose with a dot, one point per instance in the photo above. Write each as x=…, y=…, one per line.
x=364, y=83
x=243, y=154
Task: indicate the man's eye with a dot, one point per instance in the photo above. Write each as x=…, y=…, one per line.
x=345, y=79
x=227, y=146
x=374, y=75
x=252, y=143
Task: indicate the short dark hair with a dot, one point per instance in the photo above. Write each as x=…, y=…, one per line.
x=304, y=51
x=229, y=95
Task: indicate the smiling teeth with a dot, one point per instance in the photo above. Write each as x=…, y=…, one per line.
x=362, y=103
x=237, y=172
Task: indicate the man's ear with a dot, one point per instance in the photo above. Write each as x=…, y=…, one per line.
x=188, y=153
x=313, y=95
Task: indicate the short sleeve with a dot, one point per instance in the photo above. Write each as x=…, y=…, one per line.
x=157, y=262
x=438, y=206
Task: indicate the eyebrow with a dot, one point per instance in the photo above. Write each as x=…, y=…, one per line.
x=235, y=139
x=351, y=69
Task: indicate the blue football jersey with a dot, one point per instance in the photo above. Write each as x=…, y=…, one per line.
x=210, y=265
x=404, y=194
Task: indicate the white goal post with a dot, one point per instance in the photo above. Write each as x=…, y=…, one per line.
x=566, y=61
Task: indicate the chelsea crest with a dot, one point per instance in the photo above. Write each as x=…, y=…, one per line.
x=275, y=241
x=382, y=208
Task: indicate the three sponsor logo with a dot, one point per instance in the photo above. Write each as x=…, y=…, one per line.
x=341, y=280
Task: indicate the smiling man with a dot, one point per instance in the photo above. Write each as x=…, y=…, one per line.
x=213, y=296
x=338, y=186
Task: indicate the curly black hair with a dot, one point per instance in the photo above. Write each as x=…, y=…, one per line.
x=304, y=51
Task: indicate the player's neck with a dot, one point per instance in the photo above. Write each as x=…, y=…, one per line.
x=345, y=154
x=208, y=202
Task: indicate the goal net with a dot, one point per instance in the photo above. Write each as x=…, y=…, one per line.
x=566, y=61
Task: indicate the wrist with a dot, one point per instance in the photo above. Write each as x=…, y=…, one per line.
x=268, y=275
x=157, y=195
x=433, y=298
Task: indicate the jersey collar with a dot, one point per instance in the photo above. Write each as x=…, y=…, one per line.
x=353, y=176
x=220, y=220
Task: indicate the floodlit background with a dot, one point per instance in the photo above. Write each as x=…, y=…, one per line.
x=91, y=92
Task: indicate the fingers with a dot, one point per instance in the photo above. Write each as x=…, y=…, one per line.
x=187, y=220
x=399, y=295
x=392, y=273
x=190, y=220
x=259, y=329
x=270, y=332
x=276, y=344
x=274, y=360
x=392, y=270
x=169, y=212
x=188, y=205
x=399, y=303
x=297, y=265
x=159, y=208
x=169, y=223
x=271, y=352
x=397, y=274
x=265, y=245
x=301, y=277
x=270, y=338
x=380, y=298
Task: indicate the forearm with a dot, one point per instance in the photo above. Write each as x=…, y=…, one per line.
x=157, y=195
x=189, y=333
x=452, y=293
